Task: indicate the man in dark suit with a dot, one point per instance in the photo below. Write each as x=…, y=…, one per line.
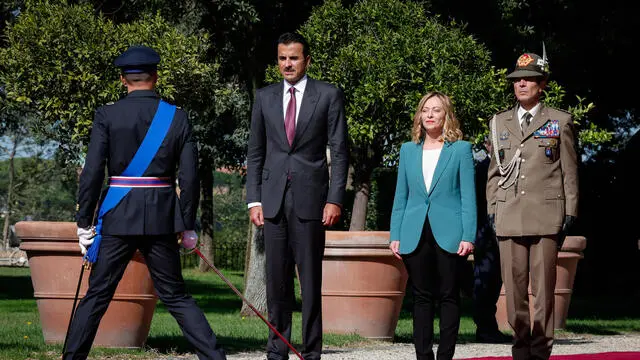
x=288, y=188
x=149, y=215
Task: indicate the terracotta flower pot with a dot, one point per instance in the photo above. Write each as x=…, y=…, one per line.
x=55, y=260
x=363, y=284
x=568, y=257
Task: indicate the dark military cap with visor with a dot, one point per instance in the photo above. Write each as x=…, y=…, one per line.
x=138, y=59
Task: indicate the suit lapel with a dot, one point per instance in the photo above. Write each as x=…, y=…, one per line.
x=443, y=160
x=308, y=106
x=420, y=175
x=278, y=112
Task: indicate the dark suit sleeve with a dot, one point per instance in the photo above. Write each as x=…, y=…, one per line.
x=93, y=171
x=337, y=135
x=256, y=152
x=188, y=176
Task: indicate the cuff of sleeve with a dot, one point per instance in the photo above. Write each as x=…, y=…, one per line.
x=253, y=204
x=83, y=222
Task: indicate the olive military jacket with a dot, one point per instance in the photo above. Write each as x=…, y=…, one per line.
x=545, y=186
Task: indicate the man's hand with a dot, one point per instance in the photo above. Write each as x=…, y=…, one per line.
x=331, y=214
x=568, y=223
x=85, y=238
x=255, y=214
x=465, y=248
x=189, y=239
x=491, y=218
x=395, y=248
x=566, y=226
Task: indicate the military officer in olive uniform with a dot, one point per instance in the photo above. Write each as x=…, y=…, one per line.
x=148, y=213
x=532, y=199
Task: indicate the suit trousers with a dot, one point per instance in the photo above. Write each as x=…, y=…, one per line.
x=523, y=260
x=486, y=280
x=162, y=257
x=434, y=276
x=291, y=241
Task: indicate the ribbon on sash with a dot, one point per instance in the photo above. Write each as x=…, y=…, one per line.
x=146, y=152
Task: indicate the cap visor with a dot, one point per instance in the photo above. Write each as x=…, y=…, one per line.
x=524, y=73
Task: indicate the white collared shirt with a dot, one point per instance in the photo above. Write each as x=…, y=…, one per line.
x=286, y=96
x=533, y=112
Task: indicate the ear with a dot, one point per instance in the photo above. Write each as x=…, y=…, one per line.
x=123, y=80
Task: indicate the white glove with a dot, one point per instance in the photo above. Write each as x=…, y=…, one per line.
x=189, y=239
x=85, y=238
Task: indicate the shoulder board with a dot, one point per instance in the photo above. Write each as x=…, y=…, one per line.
x=503, y=111
x=564, y=111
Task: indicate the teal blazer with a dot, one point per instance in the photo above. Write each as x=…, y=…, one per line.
x=450, y=203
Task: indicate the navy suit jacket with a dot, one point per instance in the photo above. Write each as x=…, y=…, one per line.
x=270, y=160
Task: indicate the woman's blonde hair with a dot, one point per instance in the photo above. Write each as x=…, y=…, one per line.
x=450, y=129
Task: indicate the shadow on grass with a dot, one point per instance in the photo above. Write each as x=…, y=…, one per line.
x=16, y=287
x=231, y=345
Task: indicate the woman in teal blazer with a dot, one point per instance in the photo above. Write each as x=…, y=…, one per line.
x=433, y=223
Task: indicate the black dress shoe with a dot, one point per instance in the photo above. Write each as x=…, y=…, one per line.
x=493, y=338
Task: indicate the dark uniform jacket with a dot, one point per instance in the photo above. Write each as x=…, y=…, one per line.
x=118, y=130
x=547, y=182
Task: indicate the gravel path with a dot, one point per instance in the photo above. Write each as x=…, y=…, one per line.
x=566, y=344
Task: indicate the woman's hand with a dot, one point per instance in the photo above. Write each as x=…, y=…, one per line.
x=465, y=248
x=395, y=248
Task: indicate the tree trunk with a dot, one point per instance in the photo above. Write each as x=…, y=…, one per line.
x=7, y=214
x=255, y=290
x=360, y=205
x=207, y=214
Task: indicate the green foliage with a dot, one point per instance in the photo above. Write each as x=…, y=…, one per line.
x=386, y=54
x=59, y=63
x=42, y=189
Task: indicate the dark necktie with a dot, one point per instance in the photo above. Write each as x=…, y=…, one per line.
x=290, y=118
x=526, y=121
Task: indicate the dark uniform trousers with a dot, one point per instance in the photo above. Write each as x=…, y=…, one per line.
x=292, y=241
x=521, y=256
x=162, y=257
x=486, y=280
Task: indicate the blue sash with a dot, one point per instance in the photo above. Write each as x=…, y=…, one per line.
x=146, y=152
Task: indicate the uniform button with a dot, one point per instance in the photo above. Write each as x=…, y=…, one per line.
x=522, y=192
x=558, y=195
x=521, y=176
x=521, y=145
x=522, y=160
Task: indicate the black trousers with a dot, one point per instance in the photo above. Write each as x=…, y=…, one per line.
x=487, y=280
x=291, y=241
x=433, y=275
x=162, y=257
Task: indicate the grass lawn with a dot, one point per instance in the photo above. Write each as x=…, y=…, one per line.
x=21, y=335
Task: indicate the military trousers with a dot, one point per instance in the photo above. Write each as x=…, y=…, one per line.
x=163, y=259
x=530, y=262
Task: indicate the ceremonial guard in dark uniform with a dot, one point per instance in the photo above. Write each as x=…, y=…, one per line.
x=144, y=143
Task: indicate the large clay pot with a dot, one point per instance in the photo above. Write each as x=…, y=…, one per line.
x=55, y=261
x=568, y=257
x=363, y=285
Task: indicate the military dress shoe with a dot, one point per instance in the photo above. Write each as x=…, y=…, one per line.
x=493, y=338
